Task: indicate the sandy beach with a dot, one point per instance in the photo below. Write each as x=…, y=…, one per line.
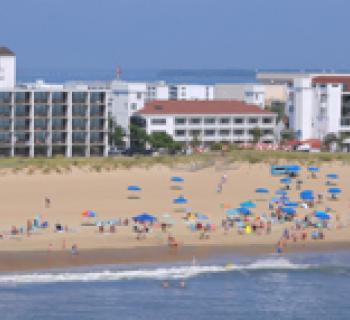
x=106, y=193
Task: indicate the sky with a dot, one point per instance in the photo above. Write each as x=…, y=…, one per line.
x=170, y=34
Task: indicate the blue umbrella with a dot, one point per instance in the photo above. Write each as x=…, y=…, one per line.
x=145, y=217
x=288, y=210
x=307, y=195
x=334, y=190
x=261, y=190
x=248, y=204
x=232, y=211
x=134, y=188
x=281, y=192
x=322, y=215
x=294, y=168
x=292, y=204
x=244, y=211
x=313, y=169
x=177, y=179
x=286, y=180
x=332, y=176
x=180, y=200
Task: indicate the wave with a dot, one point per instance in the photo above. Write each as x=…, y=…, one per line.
x=170, y=273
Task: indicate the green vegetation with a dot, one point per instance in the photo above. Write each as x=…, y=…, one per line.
x=162, y=140
x=257, y=134
x=64, y=165
x=116, y=133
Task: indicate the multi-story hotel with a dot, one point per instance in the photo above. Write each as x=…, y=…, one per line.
x=210, y=121
x=50, y=120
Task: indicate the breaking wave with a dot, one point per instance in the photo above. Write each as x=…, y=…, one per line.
x=169, y=273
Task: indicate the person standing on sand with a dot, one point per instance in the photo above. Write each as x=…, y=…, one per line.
x=74, y=250
x=47, y=202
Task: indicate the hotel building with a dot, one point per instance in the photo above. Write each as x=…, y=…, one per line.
x=50, y=120
x=210, y=121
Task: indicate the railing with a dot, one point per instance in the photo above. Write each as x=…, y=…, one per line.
x=22, y=128
x=22, y=114
x=59, y=128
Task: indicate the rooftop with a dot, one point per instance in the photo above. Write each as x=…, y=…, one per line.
x=6, y=52
x=345, y=79
x=201, y=107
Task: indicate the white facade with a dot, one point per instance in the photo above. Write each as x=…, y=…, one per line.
x=7, y=68
x=191, y=92
x=226, y=125
x=315, y=109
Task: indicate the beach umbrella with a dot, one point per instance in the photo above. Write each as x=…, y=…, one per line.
x=286, y=180
x=89, y=214
x=180, y=200
x=134, y=188
x=261, y=190
x=307, y=195
x=288, y=210
x=232, y=211
x=332, y=176
x=291, y=204
x=322, y=215
x=244, y=210
x=177, y=179
x=334, y=190
x=313, y=169
x=281, y=192
x=145, y=217
x=248, y=204
x=294, y=168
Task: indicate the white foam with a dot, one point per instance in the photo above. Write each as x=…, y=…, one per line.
x=173, y=273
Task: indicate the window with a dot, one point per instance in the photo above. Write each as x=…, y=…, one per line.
x=139, y=95
x=158, y=121
x=239, y=120
x=209, y=120
x=180, y=133
x=253, y=120
x=238, y=132
x=269, y=131
x=195, y=120
x=133, y=106
x=249, y=94
x=225, y=120
x=291, y=109
x=195, y=133
x=209, y=133
x=267, y=120
x=224, y=132
x=79, y=97
x=180, y=120
x=42, y=97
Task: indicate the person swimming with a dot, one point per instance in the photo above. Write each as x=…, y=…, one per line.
x=182, y=284
x=165, y=284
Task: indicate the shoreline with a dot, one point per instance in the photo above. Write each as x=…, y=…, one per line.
x=26, y=261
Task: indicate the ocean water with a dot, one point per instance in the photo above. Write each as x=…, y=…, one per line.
x=307, y=286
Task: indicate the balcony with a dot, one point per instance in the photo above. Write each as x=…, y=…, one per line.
x=96, y=141
x=79, y=114
x=59, y=128
x=97, y=128
x=5, y=128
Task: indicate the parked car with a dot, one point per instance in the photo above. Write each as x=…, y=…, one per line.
x=137, y=151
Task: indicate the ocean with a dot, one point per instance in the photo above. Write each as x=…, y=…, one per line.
x=296, y=286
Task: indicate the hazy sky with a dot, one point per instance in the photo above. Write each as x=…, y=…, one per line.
x=177, y=33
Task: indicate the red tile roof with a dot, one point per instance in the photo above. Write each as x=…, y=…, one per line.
x=201, y=107
x=333, y=79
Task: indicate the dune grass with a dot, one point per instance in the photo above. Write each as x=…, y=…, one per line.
x=64, y=165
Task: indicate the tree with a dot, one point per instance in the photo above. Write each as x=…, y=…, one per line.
x=163, y=140
x=195, y=142
x=138, y=136
x=279, y=108
x=115, y=133
x=288, y=135
x=257, y=134
x=330, y=139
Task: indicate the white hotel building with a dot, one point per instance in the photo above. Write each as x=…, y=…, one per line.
x=210, y=121
x=50, y=120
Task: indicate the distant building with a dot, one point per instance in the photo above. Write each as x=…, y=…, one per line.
x=209, y=121
x=7, y=68
x=191, y=92
x=252, y=93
